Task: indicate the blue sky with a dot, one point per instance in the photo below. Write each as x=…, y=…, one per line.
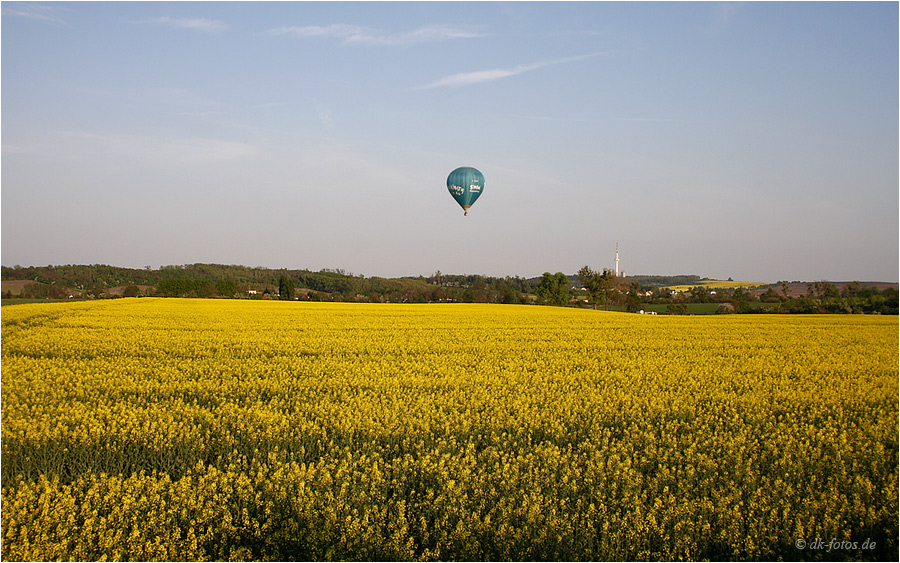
x=757, y=141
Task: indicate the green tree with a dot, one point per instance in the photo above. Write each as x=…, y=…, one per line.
x=286, y=288
x=226, y=287
x=741, y=300
x=43, y=291
x=853, y=289
x=770, y=296
x=826, y=289
x=590, y=281
x=554, y=289
x=633, y=299
x=509, y=295
x=677, y=309
x=598, y=285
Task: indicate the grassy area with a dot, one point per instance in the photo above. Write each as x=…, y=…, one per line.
x=702, y=308
x=16, y=301
x=693, y=308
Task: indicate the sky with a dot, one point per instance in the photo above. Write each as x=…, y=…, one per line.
x=757, y=141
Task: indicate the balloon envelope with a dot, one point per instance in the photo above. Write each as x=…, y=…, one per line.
x=465, y=185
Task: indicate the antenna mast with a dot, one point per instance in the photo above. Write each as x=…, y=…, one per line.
x=617, y=259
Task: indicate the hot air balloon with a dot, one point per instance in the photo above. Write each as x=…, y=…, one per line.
x=465, y=185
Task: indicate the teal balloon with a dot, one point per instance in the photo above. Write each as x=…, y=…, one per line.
x=465, y=185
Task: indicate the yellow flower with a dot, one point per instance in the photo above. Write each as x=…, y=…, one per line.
x=202, y=429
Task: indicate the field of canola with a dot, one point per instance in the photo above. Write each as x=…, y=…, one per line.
x=154, y=429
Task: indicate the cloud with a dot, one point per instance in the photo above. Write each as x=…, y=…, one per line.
x=86, y=145
x=197, y=24
x=359, y=35
x=199, y=113
x=646, y=119
x=188, y=102
x=338, y=31
x=324, y=116
x=267, y=105
x=724, y=15
x=32, y=11
x=201, y=150
x=9, y=150
x=469, y=78
x=181, y=97
x=428, y=34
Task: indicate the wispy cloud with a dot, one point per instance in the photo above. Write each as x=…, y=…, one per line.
x=199, y=113
x=33, y=11
x=182, y=98
x=475, y=77
x=336, y=31
x=325, y=116
x=152, y=149
x=360, y=35
x=205, y=25
x=646, y=119
x=187, y=101
x=724, y=15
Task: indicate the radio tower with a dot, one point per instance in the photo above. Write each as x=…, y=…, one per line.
x=617, y=259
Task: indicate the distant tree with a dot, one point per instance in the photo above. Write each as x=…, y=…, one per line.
x=182, y=287
x=599, y=286
x=853, y=289
x=677, y=309
x=286, y=288
x=786, y=289
x=590, y=281
x=545, y=289
x=891, y=303
x=741, y=294
x=826, y=289
x=509, y=296
x=770, y=296
x=43, y=291
x=633, y=298
x=563, y=295
x=700, y=294
x=554, y=289
x=131, y=290
x=226, y=287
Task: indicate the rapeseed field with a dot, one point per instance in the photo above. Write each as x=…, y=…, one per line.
x=168, y=429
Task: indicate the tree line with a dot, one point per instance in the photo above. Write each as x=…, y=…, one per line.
x=587, y=288
x=216, y=280
x=603, y=289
